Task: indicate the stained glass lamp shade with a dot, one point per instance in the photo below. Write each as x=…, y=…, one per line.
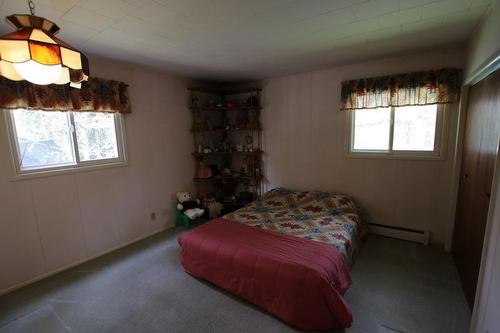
x=34, y=54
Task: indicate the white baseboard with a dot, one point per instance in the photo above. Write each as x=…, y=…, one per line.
x=78, y=262
x=400, y=233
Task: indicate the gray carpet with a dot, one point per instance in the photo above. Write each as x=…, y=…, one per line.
x=398, y=287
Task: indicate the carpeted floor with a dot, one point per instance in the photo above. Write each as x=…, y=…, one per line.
x=398, y=287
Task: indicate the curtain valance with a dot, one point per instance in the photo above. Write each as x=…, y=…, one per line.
x=417, y=88
x=96, y=95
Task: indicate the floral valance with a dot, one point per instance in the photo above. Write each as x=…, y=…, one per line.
x=96, y=95
x=417, y=88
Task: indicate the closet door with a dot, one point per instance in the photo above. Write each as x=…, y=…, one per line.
x=482, y=131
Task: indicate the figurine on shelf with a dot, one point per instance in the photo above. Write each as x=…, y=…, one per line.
x=202, y=171
x=231, y=104
x=201, y=140
x=226, y=123
x=198, y=121
x=253, y=101
x=239, y=147
x=249, y=143
x=220, y=104
x=242, y=120
x=225, y=147
x=252, y=186
x=226, y=172
x=257, y=172
x=194, y=101
x=253, y=119
x=249, y=163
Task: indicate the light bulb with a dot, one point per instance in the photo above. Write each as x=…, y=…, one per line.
x=37, y=73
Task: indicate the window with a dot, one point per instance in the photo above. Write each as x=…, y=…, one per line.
x=51, y=140
x=410, y=131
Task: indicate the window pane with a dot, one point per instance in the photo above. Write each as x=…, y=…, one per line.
x=96, y=135
x=44, y=139
x=415, y=128
x=371, y=129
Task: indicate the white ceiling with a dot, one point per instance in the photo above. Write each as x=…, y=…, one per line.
x=253, y=39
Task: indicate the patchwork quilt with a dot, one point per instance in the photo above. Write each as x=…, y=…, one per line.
x=315, y=215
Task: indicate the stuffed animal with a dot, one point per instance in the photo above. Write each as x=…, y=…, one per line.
x=191, y=208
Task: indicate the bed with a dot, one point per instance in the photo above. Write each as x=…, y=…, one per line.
x=316, y=215
x=287, y=252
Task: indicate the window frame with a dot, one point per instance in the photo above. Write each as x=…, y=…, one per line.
x=79, y=166
x=439, y=152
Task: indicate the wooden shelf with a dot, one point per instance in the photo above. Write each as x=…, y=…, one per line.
x=220, y=178
x=216, y=109
x=257, y=152
x=229, y=130
x=204, y=113
x=207, y=130
x=225, y=91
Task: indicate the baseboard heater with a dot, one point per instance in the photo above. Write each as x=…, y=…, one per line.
x=399, y=233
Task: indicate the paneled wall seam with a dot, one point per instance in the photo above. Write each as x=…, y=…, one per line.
x=82, y=224
x=32, y=197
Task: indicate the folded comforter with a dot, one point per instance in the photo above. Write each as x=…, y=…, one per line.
x=298, y=280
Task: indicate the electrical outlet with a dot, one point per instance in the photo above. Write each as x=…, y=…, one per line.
x=152, y=216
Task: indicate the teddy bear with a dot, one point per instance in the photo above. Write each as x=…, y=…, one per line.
x=191, y=208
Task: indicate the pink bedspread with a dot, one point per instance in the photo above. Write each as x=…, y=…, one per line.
x=298, y=280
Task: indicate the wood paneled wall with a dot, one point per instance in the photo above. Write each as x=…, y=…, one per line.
x=482, y=131
x=305, y=145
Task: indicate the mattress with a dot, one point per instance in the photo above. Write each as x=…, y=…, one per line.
x=298, y=280
x=316, y=215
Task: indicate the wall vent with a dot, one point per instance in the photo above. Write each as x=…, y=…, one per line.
x=400, y=233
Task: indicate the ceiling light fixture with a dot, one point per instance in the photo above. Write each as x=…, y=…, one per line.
x=32, y=53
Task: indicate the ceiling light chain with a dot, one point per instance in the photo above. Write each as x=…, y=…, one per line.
x=31, y=4
x=33, y=53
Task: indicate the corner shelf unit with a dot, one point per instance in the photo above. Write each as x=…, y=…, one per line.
x=227, y=136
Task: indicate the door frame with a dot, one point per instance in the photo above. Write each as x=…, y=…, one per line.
x=492, y=232
x=489, y=67
x=490, y=258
